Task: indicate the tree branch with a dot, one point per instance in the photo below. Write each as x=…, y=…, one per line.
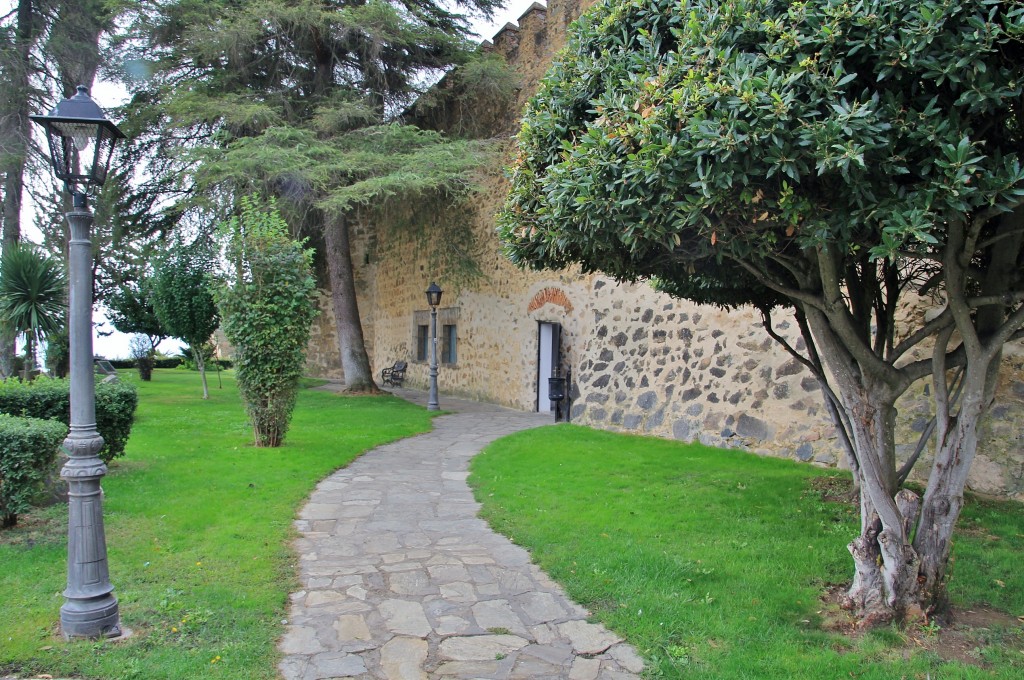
x=766, y=321
x=889, y=303
x=1010, y=329
x=981, y=219
x=978, y=223
x=919, y=369
x=841, y=321
x=987, y=243
x=1005, y=299
x=939, y=384
x=835, y=408
x=956, y=244
x=944, y=319
x=792, y=293
x=786, y=263
x=929, y=429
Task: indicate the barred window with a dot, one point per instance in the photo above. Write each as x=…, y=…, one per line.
x=448, y=342
x=422, y=343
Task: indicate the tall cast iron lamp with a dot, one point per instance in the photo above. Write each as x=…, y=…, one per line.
x=433, y=299
x=81, y=143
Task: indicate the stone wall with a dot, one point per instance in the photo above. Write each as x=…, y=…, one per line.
x=671, y=368
x=642, y=362
x=654, y=365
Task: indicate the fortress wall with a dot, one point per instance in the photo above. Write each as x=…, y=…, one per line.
x=642, y=362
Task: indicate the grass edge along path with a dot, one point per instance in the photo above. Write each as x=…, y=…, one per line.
x=199, y=530
x=714, y=563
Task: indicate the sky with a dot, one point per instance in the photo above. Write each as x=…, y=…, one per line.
x=114, y=345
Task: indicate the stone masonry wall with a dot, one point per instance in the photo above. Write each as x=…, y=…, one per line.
x=642, y=362
x=671, y=368
x=665, y=367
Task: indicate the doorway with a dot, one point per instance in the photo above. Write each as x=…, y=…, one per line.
x=549, y=358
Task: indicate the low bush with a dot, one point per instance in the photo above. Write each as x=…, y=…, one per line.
x=49, y=398
x=115, y=412
x=145, y=366
x=144, y=354
x=28, y=448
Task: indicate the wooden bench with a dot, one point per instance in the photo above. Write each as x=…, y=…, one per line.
x=394, y=375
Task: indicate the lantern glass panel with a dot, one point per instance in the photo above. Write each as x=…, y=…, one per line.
x=81, y=134
x=101, y=159
x=81, y=152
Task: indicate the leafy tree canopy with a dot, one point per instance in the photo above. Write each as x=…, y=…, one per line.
x=183, y=298
x=130, y=310
x=181, y=292
x=832, y=157
x=300, y=99
x=747, y=130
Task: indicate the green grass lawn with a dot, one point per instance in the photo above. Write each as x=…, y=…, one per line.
x=714, y=563
x=198, y=524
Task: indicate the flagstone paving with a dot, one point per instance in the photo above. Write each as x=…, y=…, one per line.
x=401, y=580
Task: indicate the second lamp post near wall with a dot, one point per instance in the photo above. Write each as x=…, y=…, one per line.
x=433, y=299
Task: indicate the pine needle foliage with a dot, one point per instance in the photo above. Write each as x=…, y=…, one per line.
x=305, y=100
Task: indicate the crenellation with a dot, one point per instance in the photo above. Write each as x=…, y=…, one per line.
x=506, y=42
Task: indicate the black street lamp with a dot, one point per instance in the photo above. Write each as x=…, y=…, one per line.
x=433, y=299
x=81, y=141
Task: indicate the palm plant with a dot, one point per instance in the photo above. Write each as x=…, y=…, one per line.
x=32, y=296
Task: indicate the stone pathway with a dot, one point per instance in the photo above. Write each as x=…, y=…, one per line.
x=401, y=579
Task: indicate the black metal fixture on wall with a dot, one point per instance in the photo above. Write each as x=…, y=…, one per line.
x=558, y=392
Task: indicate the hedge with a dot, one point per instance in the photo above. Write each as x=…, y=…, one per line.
x=28, y=449
x=125, y=364
x=49, y=398
x=174, y=362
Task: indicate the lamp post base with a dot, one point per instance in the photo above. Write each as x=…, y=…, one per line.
x=92, y=619
x=90, y=608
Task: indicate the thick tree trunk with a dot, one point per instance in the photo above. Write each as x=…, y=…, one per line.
x=934, y=541
x=866, y=593
x=354, y=361
x=956, y=433
x=895, y=579
x=956, y=445
x=885, y=585
x=17, y=132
